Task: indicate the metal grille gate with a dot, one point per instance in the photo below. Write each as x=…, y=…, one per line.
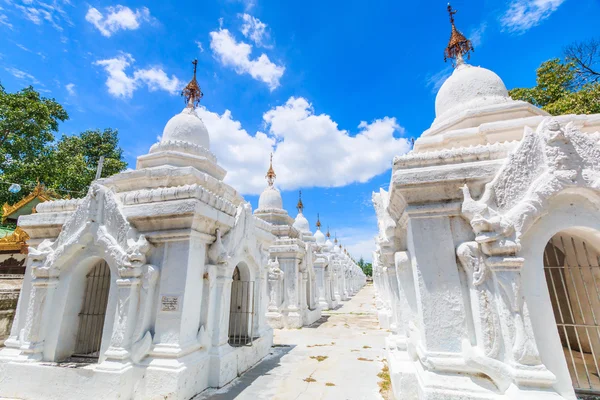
x=93, y=311
x=572, y=273
x=241, y=311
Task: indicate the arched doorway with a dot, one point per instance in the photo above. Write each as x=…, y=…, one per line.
x=93, y=311
x=241, y=311
x=572, y=270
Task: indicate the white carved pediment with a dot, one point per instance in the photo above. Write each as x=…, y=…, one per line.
x=547, y=161
x=97, y=220
x=240, y=239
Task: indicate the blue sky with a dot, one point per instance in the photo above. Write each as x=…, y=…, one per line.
x=334, y=88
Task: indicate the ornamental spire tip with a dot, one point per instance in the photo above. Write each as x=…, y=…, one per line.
x=191, y=92
x=271, y=173
x=300, y=205
x=459, y=45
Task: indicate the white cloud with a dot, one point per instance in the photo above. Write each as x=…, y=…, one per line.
x=435, y=81
x=117, y=18
x=308, y=149
x=19, y=74
x=38, y=11
x=359, y=241
x=254, y=29
x=70, y=89
x=525, y=14
x=237, y=55
x=200, y=47
x=120, y=84
x=248, y=4
x=361, y=247
x=4, y=21
x=476, y=35
x=157, y=79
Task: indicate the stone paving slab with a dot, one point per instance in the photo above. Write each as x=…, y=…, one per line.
x=349, y=343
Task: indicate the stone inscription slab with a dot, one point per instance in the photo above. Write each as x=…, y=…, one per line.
x=169, y=303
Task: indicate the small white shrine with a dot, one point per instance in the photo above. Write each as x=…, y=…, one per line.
x=487, y=255
x=153, y=286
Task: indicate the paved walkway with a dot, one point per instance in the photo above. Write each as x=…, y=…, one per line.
x=349, y=344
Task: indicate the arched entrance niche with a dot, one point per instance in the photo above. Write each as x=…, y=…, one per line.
x=573, y=277
x=561, y=284
x=85, y=310
x=241, y=309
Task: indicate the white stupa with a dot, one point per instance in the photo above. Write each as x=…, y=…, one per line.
x=270, y=205
x=301, y=223
x=185, y=142
x=319, y=236
x=472, y=105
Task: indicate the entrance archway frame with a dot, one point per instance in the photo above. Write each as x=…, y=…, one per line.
x=570, y=211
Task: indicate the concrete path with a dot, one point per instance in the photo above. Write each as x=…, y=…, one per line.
x=349, y=344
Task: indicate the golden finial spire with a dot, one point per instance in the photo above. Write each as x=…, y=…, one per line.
x=328, y=234
x=191, y=92
x=318, y=222
x=300, y=205
x=335, y=241
x=271, y=173
x=459, y=45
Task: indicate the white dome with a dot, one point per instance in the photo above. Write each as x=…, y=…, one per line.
x=301, y=223
x=469, y=88
x=320, y=237
x=329, y=244
x=336, y=249
x=186, y=127
x=270, y=199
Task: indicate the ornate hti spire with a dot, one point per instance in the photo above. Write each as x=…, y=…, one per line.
x=318, y=222
x=300, y=205
x=328, y=234
x=335, y=241
x=271, y=172
x=191, y=92
x=459, y=45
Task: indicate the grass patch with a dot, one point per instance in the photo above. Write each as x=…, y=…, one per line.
x=366, y=347
x=354, y=350
x=364, y=359
x=309, y=379
x=329, y=384
x=385, y=384
x=319, y=358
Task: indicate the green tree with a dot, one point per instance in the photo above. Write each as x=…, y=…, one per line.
x=567, y=86
x=83, y=153
x=29, y=152
x=367, y=268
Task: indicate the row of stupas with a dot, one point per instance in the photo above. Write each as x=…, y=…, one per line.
x=161, y=282
x=310, y=272
x=484, y=236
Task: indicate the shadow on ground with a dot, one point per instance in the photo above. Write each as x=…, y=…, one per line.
x=319, y=322
x=238, y=385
